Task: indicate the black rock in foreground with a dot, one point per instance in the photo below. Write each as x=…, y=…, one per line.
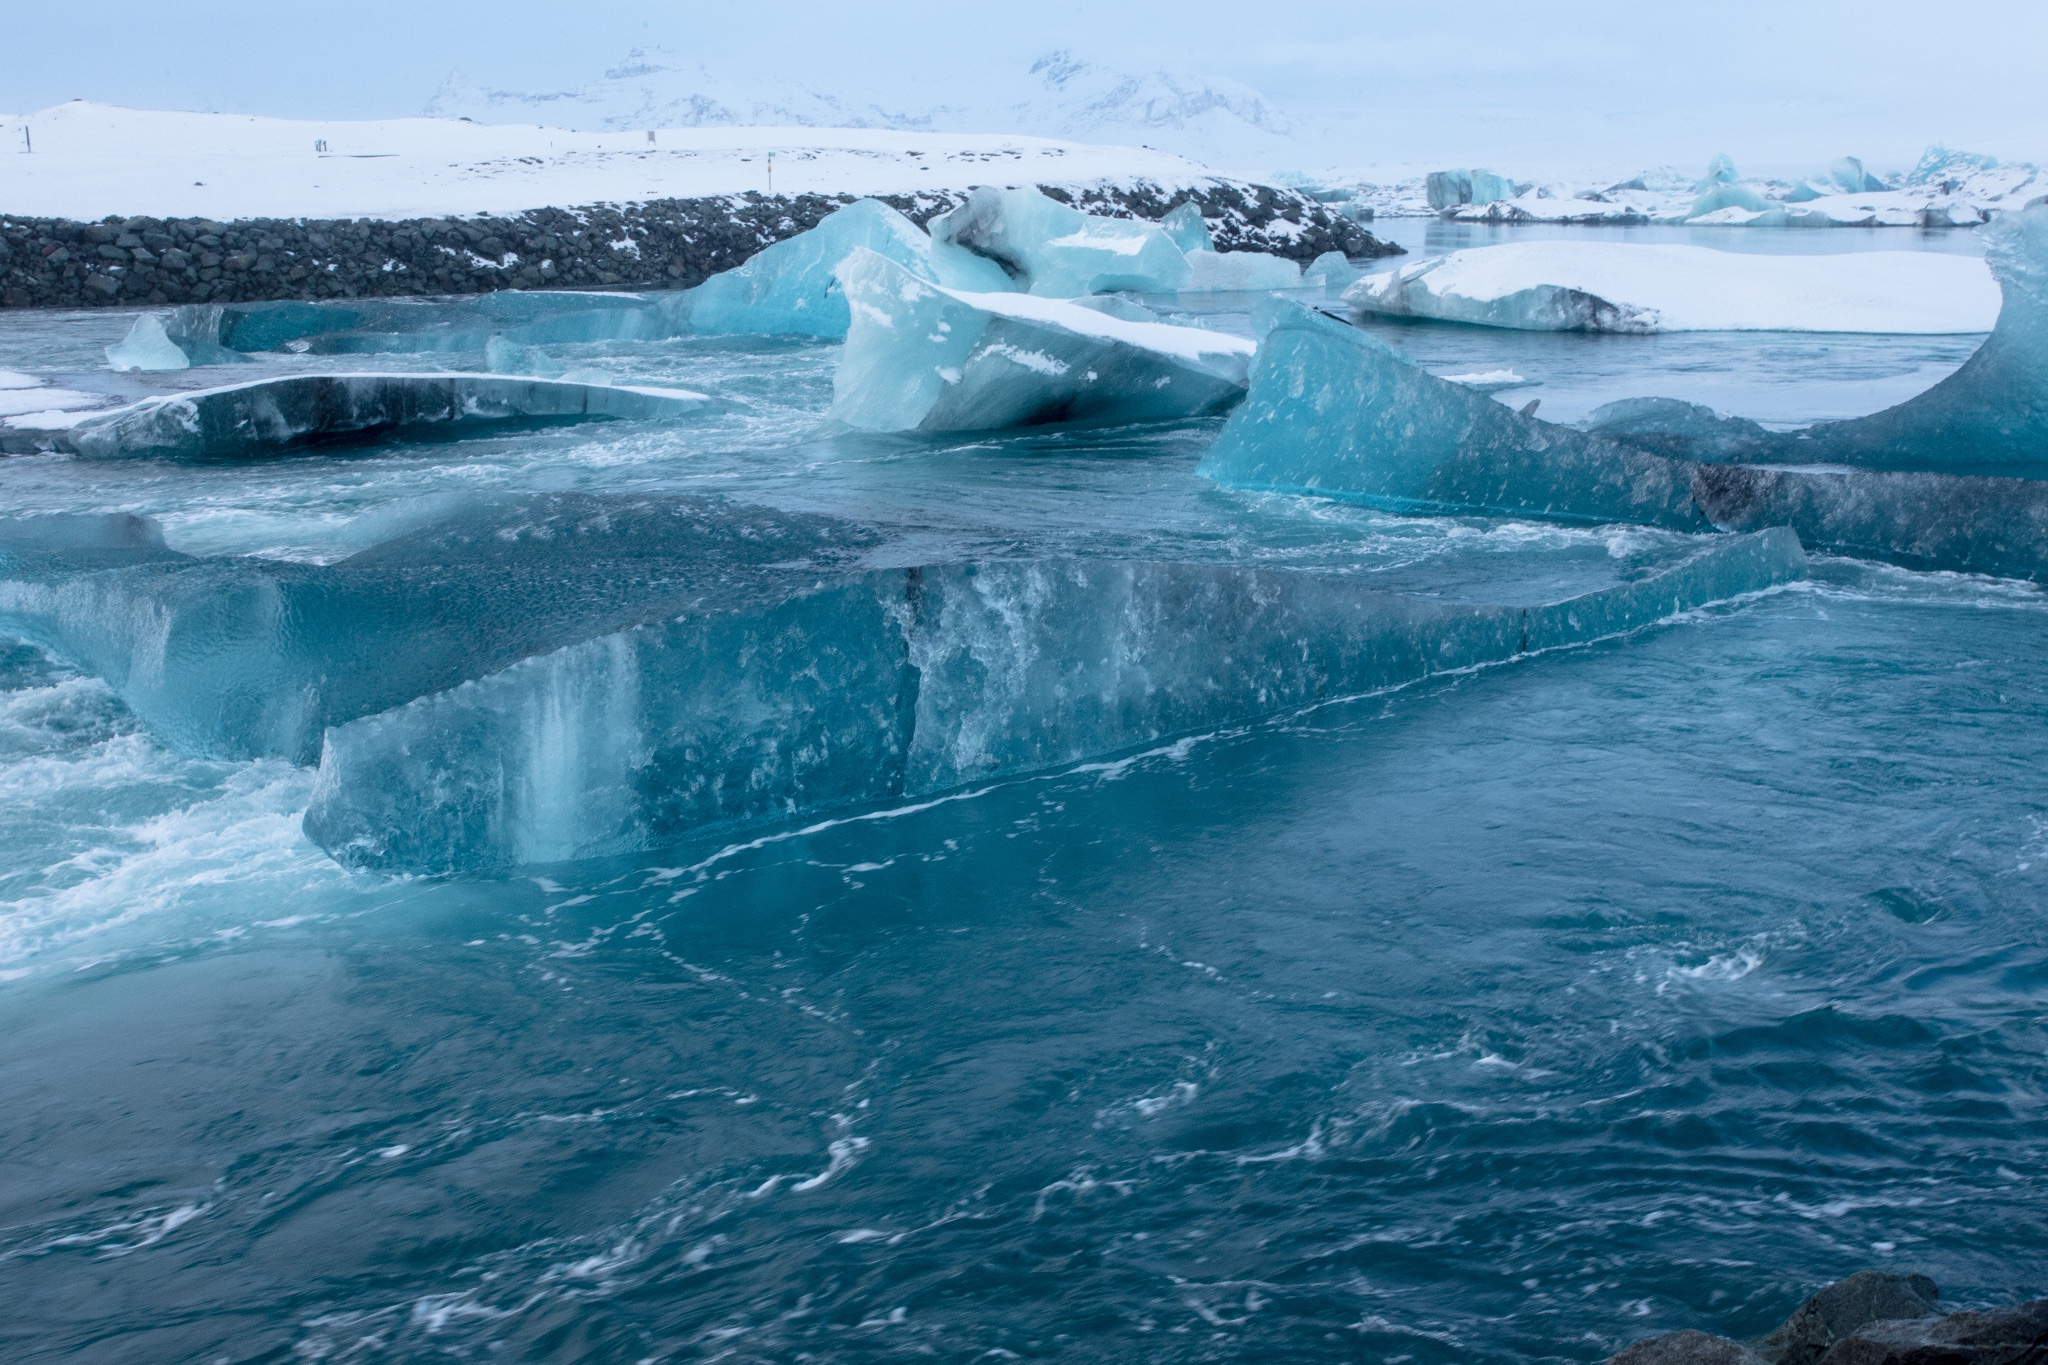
x=1870, y=1318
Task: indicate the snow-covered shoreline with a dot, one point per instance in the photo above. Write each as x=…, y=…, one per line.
x=92, y=161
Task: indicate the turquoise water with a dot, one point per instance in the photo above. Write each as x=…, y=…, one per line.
x=1509, y=1016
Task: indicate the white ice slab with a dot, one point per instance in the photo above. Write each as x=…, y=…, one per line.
x=1602, y=286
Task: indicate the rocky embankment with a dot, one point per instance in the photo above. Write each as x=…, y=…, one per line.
x=1871, y=1318
x=662, y=243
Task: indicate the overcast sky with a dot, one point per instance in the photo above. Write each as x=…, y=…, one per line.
x=1777, y=83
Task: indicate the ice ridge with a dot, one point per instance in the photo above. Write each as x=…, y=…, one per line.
x=907, y=682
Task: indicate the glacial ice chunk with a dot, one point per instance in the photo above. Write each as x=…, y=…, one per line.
x=509, y=357
x=295, y=412
x=1848, y=177
x=1720, y=171
x=147, y=347
x=921, y=357
x=1939, y=163
x=1331, y=270
x=1626, y=287
x=213, y=333
x=1186, y=226
x=1054, y=251
x=1217, y=271
x=1447, y=190
x=1989, y=418
x=1332, y=412
x=246, y=658
x=899, y=683
x=788, y=289
x=1715, y=198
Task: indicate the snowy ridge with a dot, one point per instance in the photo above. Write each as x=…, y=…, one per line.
x=94, y=160
x=1060, y=95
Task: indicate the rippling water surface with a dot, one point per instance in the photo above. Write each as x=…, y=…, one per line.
x=1507, y=1017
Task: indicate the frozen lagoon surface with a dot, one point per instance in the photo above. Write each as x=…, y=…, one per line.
x=1509, y=1016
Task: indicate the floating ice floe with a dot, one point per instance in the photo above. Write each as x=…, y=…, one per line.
x=1217, y=271
x=1489, y=381
x=1331, y=270
x=1052, y=250
x=33, y=415
x=1623, y=287
x=250, y=658
x=921, y=357
x=147, y=347
x=272, y=416
x=1333, y=412
x=900, y=683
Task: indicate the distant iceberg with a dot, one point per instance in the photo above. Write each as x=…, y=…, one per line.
x=296, y=412
x=905, y=682
x=1626, y=287
x=921, y=357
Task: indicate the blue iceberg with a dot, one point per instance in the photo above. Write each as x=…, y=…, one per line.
x=301, y=412
x=1049, y=249
x=900, y=683
x=1332, y=412
x=1188, y=229
x=247, y=658
x=921, y=357
x=789, y=289
x=1333, y=271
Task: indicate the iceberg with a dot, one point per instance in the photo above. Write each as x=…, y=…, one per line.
x=1988, y=419
x=147, y=347
x=921, y=357
x=788, y=289
x=1625, y=287
x=1331, y=270
x=301, y=412
x=1054, y=251
x=1188, y=229
x=1449, y=190
x=903, y=683
x=1217, y=271
x=1848, y=177
x=1332, y=412
x=210, y=333
x=246, y=658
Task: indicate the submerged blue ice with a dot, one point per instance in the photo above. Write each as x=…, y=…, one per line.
x=921, y=357
x=907, y=682
x=241, y=658
x=275, y=416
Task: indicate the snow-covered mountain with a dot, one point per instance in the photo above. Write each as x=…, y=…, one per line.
x=1220, y=122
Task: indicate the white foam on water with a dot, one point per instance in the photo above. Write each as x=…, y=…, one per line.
x=203, y=847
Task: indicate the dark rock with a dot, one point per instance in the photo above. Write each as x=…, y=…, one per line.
x=2000, y=1336
x=1687, y=1348
x=1865, y=1297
